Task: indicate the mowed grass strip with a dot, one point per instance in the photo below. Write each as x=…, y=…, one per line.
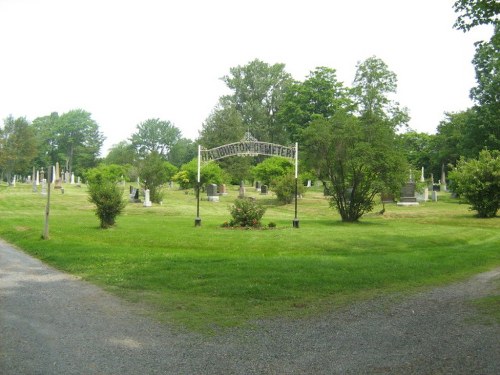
x=208, y=277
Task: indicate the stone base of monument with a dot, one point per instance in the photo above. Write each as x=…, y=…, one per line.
x=408, y=201
x=214, y=198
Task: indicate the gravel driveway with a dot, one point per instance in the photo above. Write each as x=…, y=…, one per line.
x=53, y=323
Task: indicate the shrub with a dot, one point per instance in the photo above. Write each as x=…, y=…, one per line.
x=246, y=213
x=478, y=182
x=105, y=193
x=272, y=168
x=284, y=187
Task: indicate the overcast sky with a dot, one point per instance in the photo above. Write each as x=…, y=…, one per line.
x=126, y=61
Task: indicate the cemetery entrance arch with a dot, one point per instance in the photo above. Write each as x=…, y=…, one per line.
x=248, y=146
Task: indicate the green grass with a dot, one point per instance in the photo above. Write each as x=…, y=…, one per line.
x=209, y=277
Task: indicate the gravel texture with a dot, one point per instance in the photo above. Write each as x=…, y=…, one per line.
x=54, y=323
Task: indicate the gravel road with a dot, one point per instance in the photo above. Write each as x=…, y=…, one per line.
x=53, y=323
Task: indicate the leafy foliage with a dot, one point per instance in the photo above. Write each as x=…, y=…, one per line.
x=155, y=135
x=246, y=213
x=212, y=173
x=354, y=162
x=321, y=94
x=17, y=146
x=284, y=187
x=154, y=172
x=478, y=182
x=105, y=193
x=271, y=169
x=475, y=12
x=258, y=90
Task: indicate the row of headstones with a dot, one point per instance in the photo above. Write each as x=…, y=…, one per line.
x=214, y=191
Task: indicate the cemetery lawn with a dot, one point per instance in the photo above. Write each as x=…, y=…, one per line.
x=210, y=277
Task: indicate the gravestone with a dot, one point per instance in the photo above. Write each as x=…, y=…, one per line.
x=72, y=178
x=257, y=186
x=424, y=196
x=408, y=197
x=222, y=189
x=434, y=196
x=78, y=183
x=147, y=201
x=58, y=181
x=212, y=193
x=308, y=183
x=387, y=198
x=134, y=195
x=37, y=178
x=264, y=190
x=44, y=187
x=241, y=192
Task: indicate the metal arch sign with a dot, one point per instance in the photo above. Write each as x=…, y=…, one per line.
x=247, y=148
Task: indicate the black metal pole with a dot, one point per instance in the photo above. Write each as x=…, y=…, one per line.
x=296, y=220
x=197, y=221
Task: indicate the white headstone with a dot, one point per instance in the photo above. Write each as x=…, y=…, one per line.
x=72, y=178
x=147, y=202
x=37, y=180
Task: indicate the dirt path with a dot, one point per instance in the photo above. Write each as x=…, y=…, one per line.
x=53, y=323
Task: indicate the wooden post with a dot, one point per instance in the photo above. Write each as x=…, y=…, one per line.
x=47, y=207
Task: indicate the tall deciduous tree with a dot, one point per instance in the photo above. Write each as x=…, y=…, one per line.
x=257, y=94
x=320, y=95
x=484, y=131
x=122, y=153
x=155, y=135
x=46, y=136
x=17, y=146
x=223, y=126
x=355, y=163
x=357, y=158
x=373, y=86
x=473, y=13
x=78, y=139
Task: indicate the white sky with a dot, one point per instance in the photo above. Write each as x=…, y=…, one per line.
x=126, y=61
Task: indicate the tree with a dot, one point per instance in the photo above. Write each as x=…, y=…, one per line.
x=476, y=12
x=478, y=182
x=155, y=135
x=210, y=173
x=271, y=169
x=154, y=172
x=419, y=149
x=122, y=153
x=257, y=95
x=319, y=95
x=105, y=193
x=182, y=152
x=223, y=126
x=373, y=84
x=355, y=163
x=46, y=135
x=484, y=131
x=18, y=147
x=78, y=139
